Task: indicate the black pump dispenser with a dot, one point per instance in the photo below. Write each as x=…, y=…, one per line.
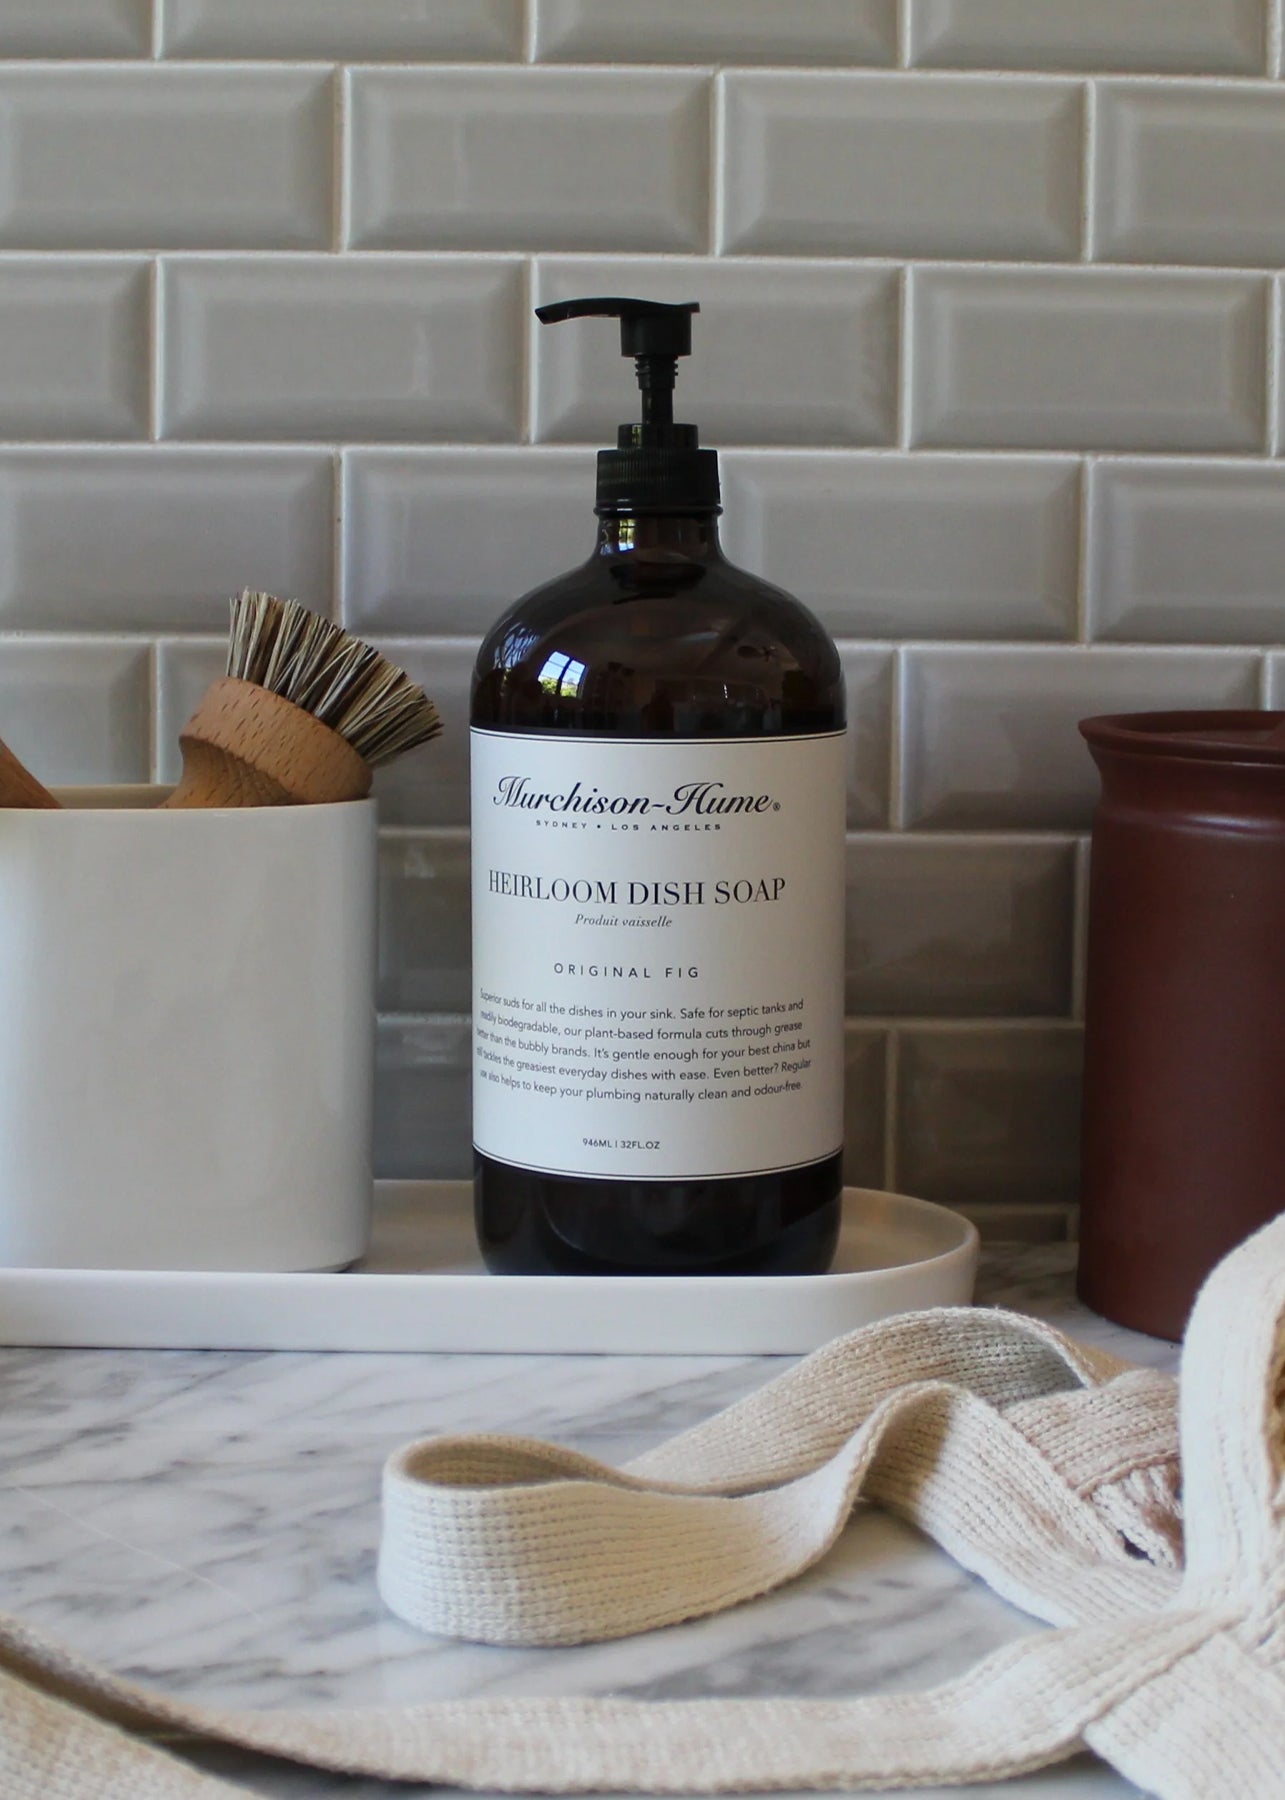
x=656, y=465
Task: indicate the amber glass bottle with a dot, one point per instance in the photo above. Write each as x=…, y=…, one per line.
x=658, y=889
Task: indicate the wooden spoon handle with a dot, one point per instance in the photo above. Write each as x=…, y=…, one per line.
x=246, y=746
x=18, y=786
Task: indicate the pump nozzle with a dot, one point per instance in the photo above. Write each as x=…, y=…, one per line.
x=647, y=327
x=656, y=465
x=654, y=332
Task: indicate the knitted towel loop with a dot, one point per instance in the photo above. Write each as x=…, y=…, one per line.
x=506, y=1540
x=1046, y=1467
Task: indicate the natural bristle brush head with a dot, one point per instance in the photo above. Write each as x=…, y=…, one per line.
x=304, y=713
x=348, y=685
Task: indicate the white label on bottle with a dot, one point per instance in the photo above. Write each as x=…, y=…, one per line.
x=657, y=953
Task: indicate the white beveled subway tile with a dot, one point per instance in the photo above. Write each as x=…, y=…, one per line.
x=1106, y=359
x=73, y=348
x=990, y=736
x=919, y=546
x=345, y=30
x=1191, y=173
x=425, y=945
x=904, y=165
x=716, y=31
x=1275, y=688
x=76, y=28
x=1187, y=552
x=951, y=925
x=342, y=348
x=423, y=1099
x=445, y=540
x=155, y=539
x=1206, y=37
x=163, y=157
x=430, y=785
x=865, y=1108
x=868, y=674
x=783, y=352
x=989, y=1113
x=529, y=159
x=77, y=711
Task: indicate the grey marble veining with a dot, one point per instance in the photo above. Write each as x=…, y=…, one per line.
x=208, y=1522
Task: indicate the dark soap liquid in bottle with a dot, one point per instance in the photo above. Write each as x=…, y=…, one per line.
x=657, y=636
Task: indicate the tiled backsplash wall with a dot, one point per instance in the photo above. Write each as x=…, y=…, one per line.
x=990, y=332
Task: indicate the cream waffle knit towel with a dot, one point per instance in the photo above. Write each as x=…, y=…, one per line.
x=1048, y=1469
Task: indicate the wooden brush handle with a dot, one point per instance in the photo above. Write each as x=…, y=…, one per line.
x=18, y=786
x=246, y=746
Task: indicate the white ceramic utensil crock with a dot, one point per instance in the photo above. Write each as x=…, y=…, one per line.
x=186, y=1034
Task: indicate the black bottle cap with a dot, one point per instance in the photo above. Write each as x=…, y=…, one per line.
x=657, y=465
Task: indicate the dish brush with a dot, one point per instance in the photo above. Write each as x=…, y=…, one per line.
x=303, y=715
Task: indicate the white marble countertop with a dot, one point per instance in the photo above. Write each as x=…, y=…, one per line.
x=206, y=1521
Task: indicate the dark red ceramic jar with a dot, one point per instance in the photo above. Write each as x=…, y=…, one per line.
x=1184, y=1091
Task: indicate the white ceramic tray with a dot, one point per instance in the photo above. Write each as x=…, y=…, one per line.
x=423, y=1287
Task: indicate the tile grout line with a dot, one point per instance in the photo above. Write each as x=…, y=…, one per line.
x=340, y=161
x=530, y=32
x=1084, y=549
x=1088, y=171
x=229, y=448
x=155, y=330
x=896, y=747
x=1003, y=649
x=339, y=537
x=157, y=47
x=967, y=1024
x=448, y=255
x=715, y=199
x=405, y=833
x=943, y=75
x=1274, y=373
x=905, y=45
x=891, y=1076
x=905, y=356
x=1276, y=38
x=398, y=1015
x=154, y=711
x=528, y=350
